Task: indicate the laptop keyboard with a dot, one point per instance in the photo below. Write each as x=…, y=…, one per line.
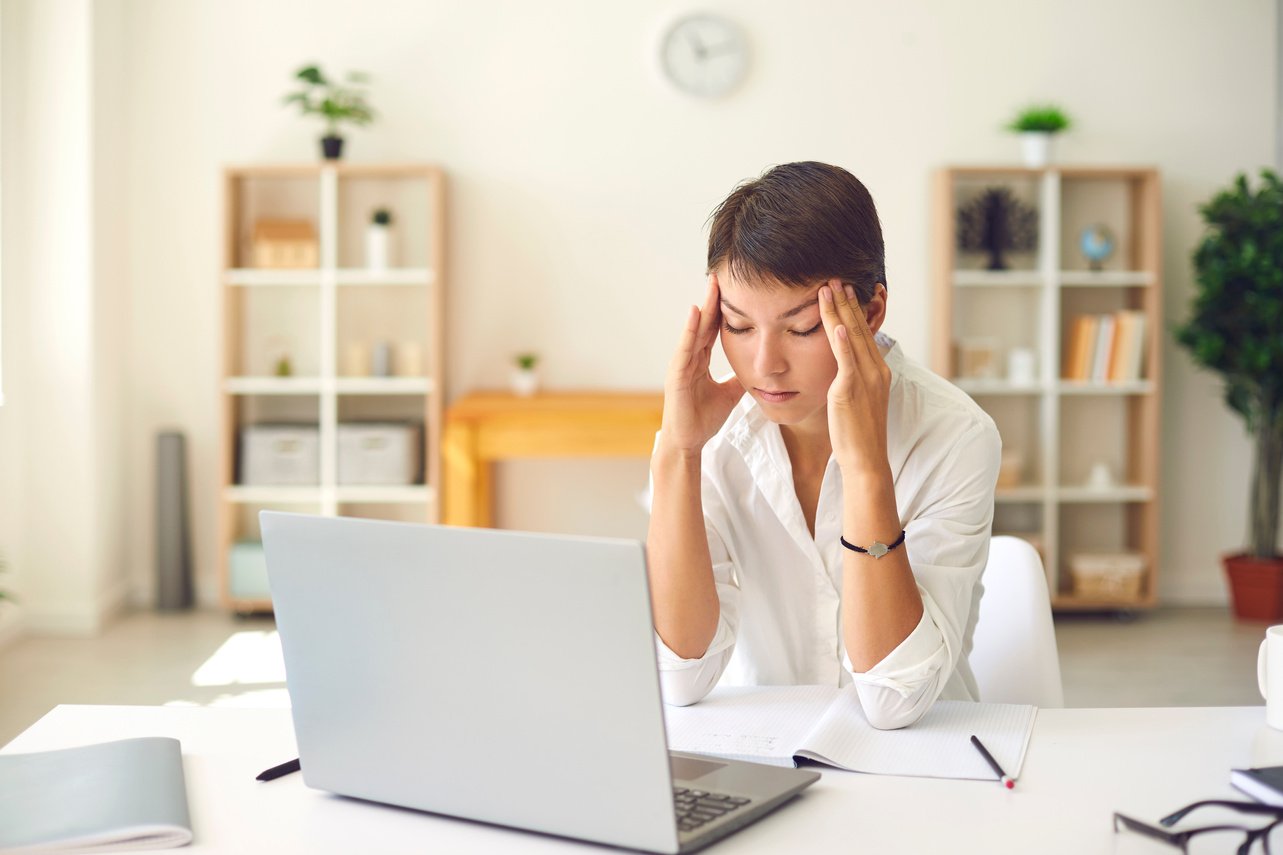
x=696, y=807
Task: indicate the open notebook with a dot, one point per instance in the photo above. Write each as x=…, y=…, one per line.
x=128, y=794
x=779, y=724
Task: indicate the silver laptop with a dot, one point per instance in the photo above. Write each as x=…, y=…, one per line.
x=497, y=676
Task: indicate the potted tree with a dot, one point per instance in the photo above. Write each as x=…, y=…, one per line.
x=1236, y=329
x=1037, y=126
x=334, y=102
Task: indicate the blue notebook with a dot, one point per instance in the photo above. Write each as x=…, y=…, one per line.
x=128, y=794
x=1264, y=784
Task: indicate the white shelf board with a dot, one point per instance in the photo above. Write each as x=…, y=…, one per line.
x=272, y=385
x=1086, y=495
x=257, y=277
x=273, y=495
x=389, y=495
x=1106, y=278
x=1031, y=493
x=974, y=386
x=997, y=278
x=383, y=385
x=1138, y=387
x=391, y=276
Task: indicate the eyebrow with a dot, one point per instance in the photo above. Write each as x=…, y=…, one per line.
x=790, y=313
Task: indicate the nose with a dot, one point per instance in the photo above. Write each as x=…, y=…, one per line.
x=769, y=359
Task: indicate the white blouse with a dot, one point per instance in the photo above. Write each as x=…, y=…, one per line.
x=780, y=588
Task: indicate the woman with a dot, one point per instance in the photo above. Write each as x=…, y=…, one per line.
x=823, y=515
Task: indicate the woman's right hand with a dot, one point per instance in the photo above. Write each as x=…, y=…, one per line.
x=695, y=405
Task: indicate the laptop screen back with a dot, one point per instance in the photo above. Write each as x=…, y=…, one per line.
x=498, y=676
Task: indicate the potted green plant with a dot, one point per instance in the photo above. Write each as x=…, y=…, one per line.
x=1235, y=328
x=378, y=240
x=1037, y=125
x=525, y=381
x=334, y=102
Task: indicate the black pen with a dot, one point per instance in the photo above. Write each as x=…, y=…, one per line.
x=278, y=771
x=993, y=764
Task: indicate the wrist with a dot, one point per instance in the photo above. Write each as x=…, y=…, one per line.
x=668, y=456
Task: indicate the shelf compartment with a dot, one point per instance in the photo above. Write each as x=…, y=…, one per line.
x=1104, y=495
x=383, y=385
x=268, y=324
x=1076, y=388
x=982, y=387
x=997, y=279
x=272, y=385
x=1105, y=278
x=406, y=276
x=407, y=196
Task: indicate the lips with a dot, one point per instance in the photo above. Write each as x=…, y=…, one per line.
x=775, y=397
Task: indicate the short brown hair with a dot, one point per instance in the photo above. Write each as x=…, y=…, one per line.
x=800, y=223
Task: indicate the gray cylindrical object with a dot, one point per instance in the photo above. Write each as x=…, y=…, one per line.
x=173, y=548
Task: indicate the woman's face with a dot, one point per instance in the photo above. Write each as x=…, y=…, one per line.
x=776, y=345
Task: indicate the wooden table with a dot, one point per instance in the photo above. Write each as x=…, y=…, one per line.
x=482, y=427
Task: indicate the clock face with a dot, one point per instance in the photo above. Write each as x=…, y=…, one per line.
x=704, y=55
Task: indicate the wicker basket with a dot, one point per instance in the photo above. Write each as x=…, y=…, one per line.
x=1107, y=575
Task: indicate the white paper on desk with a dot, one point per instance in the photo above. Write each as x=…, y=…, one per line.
x=775, y=724
x=761, y=724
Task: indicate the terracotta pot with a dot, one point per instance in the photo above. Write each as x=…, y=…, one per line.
x=1256, y=585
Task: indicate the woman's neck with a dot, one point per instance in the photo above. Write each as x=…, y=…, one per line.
x=809, y=447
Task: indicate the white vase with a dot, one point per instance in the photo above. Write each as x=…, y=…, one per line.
x=525, y=382
x=1036, y=147
x=378, y=247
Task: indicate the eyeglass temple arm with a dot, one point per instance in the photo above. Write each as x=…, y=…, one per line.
x=1242, y=807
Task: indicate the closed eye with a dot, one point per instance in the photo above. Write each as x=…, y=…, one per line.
x=799, y=333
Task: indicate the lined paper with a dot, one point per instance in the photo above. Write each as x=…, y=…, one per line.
x=777, y=723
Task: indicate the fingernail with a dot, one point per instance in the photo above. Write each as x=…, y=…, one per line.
x=827, y=294
x=850, y=292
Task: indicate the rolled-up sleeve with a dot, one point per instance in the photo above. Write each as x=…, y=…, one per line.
x=684, y=681
x=948, y=545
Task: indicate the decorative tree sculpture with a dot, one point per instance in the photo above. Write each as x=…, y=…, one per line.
x=996, y=222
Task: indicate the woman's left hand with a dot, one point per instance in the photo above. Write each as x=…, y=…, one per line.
x=859, y=394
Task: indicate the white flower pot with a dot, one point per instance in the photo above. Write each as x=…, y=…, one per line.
x=1036, y=147
x=525, y=382
x=378, y=247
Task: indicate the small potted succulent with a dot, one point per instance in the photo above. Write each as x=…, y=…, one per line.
x=1235, y=328
x=334, y=102
x=1037, y=126
x=378, y=240
x=525, y=381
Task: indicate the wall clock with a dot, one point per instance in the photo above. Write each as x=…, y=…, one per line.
x=704, y=55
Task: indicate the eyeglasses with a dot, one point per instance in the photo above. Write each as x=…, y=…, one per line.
x=1223, y=832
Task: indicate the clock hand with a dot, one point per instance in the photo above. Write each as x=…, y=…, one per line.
x=696, y=44
x=723, y=48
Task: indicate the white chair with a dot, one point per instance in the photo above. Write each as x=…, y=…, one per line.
x=1013, y=653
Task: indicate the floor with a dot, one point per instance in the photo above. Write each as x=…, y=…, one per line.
x=1171, y=657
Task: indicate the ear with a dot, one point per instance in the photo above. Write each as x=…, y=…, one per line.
x=875, y=310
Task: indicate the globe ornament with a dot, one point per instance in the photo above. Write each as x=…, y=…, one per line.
x=1097, y=244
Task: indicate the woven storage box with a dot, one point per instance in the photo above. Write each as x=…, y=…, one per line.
x=280, y=455
x=388, y=453
x=1107, y=575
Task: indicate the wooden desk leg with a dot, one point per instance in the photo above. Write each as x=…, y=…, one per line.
x=467, y=491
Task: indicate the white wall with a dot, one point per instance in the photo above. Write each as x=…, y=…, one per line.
x=63, y=464
x=580, y=185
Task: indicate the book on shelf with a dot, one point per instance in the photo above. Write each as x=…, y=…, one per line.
x=1105, y=348
x=1264, y=784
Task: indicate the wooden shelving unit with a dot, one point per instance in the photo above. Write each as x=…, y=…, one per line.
x=311, y=316
x=1062, y=427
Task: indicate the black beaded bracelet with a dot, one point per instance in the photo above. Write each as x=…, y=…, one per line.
x=878, y=549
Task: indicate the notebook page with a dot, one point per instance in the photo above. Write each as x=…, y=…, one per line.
x=937, y=746
x=761, y=724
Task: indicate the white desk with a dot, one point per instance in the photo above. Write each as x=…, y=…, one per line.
x=1081, y=767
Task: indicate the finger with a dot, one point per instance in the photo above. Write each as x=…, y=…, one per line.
x=842, y=349
x=710, y=315
x=862, y=323
x=686, y=344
